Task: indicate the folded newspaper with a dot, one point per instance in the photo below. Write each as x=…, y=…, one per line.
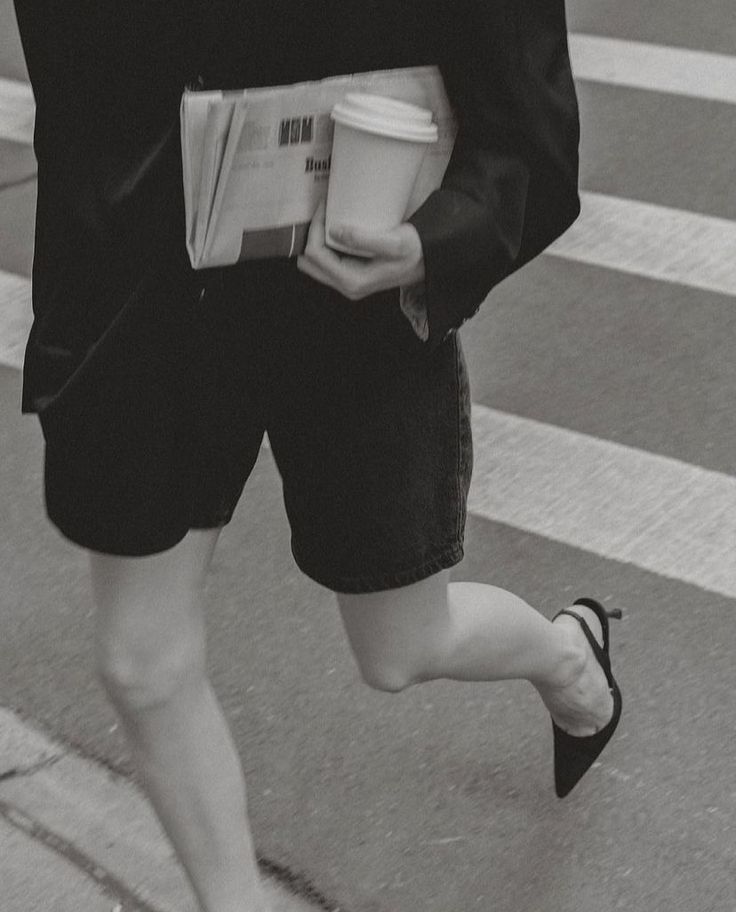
x=256, y=162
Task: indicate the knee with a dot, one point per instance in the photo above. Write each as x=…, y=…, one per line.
x=398, y=636
x=140, y=673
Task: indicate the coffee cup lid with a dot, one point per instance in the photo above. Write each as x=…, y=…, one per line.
x=386, y=117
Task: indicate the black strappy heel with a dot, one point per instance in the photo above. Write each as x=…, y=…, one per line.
x=575, y=755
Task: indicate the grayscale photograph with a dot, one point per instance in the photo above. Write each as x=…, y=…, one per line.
x=368, y=467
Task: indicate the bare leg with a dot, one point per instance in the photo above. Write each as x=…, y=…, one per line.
x=151, y=657
x=476, y=632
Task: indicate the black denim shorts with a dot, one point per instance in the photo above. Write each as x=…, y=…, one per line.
x=160, y=427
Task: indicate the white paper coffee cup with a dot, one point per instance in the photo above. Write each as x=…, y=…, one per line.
x=377, y=152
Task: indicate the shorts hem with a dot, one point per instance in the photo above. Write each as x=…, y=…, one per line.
x=378, y=582
x=107, y=544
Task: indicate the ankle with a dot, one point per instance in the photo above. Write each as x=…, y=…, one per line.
x=570, y=661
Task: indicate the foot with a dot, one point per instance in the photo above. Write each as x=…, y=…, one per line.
x=579, y=699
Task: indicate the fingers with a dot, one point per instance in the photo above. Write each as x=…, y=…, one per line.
x=321, y=263
x=343, y=273
x=316, y=235
x=353, y=278
x=395, y=258
x=312, y=269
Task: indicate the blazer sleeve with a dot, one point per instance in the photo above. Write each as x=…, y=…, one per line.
x=511, y=186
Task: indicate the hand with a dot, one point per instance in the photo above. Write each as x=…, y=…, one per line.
x=396, y=258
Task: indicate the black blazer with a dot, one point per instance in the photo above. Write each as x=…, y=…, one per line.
x=511, y=186
x=108, y=78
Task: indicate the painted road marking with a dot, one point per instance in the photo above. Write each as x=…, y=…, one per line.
x=660, y=514
x=17, y=111
x=15, y=318
x=653, y=67
x=657, y=242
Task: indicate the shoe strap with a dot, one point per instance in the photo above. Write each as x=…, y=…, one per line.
x=601, y=655
x=602, y=615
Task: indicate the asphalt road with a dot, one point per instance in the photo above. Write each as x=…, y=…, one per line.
x=440, y=799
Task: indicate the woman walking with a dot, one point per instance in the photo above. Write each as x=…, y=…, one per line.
x=154, y=384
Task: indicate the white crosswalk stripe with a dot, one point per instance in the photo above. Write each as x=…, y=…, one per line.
x=669, y=245
x=15, y=318
x=675, y=519
x=677, y=71
x=17, y=111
